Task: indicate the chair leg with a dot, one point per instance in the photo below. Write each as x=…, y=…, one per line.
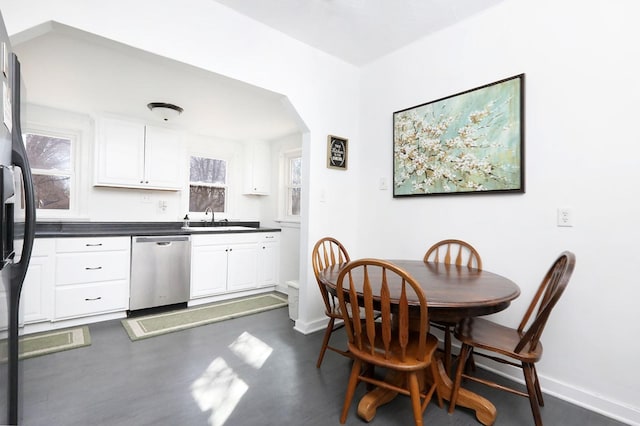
x=447, y=350
x=369, y=371
x=471, y=364
x=464, y=353
x=538, y=390
x=529, y=378
x=325, y=341
x=414, y=392
x=351, y=389
x=436, y=381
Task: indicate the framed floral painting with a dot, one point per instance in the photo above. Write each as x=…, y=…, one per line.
x=468, y=143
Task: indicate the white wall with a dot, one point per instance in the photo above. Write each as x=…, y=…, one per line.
x=239, y=206
x=131, y=205
x=581, y=105
x=322, y=90
x=271, y=214
x=581, y=152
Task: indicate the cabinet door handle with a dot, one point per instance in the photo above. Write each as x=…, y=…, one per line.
x=94, y=268
x=269, y=236
x=94, y=245
x=89, y=299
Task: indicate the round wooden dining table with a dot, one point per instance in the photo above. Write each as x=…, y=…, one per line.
x=453, y=293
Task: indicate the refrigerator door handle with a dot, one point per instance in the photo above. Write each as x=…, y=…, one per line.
x=19, y=158
x=7, y=191
x=20, y=268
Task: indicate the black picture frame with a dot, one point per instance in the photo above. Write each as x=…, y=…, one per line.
x=471, y=142
x=337, y=152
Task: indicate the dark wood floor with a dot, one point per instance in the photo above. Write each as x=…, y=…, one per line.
x=196, y=377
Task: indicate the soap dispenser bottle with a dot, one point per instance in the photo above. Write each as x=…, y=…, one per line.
x=185, y=223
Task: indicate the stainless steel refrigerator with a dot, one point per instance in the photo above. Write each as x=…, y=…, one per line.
x=17, y=228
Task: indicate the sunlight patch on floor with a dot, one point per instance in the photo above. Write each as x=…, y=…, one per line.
x=218, y=389
x=251, y=350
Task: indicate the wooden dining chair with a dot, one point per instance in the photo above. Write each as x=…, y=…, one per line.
x=519, y=347
x=454, y=252
x=458, y=253
x=378, y=327
x=326, y=253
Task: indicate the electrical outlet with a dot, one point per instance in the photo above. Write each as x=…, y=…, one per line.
x=162, y=206
x=565, y=217
x=146, y=198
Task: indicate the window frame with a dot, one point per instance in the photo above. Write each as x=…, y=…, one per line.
x=286, y=185
x=193, y=215
x=74, y=181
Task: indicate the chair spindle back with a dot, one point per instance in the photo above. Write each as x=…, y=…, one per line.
x=548, y=294
x=454, y=252
x=327, y=252
x=379, y=283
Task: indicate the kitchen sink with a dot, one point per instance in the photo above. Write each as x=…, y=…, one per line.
x=216, y=228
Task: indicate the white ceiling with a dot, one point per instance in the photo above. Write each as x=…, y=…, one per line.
x=358, y=31
x=74, y=70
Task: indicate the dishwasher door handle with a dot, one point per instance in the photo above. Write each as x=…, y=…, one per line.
x=166, y=240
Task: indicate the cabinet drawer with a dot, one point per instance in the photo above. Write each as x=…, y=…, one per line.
x=89, y=299
x=91, y=267
x=269, y=237
x=73, y=245
x=211, y=239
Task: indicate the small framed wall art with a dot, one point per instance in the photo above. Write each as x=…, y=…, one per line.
x=468, y=143
x=337, y=150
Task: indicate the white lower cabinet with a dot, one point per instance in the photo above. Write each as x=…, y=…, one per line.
x=208, y=268
x=91, y=299
x=37, y=289
x=224, y=263
x=92, y=276
x=269, y=259
x=72, y=278
x=242, y=264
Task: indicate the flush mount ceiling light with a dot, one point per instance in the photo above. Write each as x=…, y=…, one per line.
x=165, y=111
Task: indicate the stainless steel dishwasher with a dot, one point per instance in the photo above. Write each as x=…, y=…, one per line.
x=160, y=271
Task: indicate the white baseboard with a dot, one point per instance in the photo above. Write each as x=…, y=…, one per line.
x=225, y=296
x=580, y=397
x=55, y=325
x=591, y=401
x=312, y=326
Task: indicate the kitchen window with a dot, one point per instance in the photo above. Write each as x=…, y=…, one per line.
x=51, y=157
x=207, y=184
x=292, y=167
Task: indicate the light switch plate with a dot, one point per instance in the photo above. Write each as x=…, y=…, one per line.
x=383, y=184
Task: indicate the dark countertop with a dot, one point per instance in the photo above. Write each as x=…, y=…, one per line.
x=114, y=229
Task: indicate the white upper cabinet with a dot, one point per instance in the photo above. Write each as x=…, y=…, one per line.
x=258, y=168
x=134, y=155
x=164, y=154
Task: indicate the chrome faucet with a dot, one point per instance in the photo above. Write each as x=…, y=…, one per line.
x=209, y=210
